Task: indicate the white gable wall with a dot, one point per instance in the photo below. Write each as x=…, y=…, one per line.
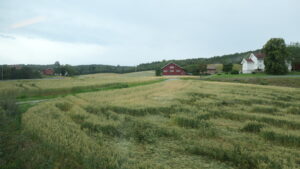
x=257, y=64
x=247, y=67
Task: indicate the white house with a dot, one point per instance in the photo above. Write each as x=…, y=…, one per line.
x=255, y=63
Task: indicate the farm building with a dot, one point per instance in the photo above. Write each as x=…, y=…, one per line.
x=211, y=69
x=255, y=63
x=48, y=71
x=173, y=69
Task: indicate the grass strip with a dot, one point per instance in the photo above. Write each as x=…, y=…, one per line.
x=54, y=93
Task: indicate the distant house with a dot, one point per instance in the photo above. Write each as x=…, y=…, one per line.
x=255, y=63
x=48, y=71
x=172, y=69
x=211, y=69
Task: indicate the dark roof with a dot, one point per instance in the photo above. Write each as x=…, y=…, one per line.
x=172, y=63
x=260, y=55
x=249, y=60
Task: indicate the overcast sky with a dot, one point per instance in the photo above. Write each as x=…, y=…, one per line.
x=129, y=32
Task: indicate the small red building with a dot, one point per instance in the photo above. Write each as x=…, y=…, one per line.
x=48, y=71
x=172, y=69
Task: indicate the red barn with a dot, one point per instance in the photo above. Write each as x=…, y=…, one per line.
x=48, y=72
x=173, y=69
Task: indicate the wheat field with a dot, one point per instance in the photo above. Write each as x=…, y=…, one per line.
x=171, y=124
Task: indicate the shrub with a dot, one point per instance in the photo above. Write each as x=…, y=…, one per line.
x=64, y=106
x=234, y=72
x=252, y=127
x=158, y=72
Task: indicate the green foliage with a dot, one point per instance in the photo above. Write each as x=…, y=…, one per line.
x=227, y=67
x=234, y=72
x=202, y=68
x=193, y=69
x=294, y=52
x=276, y=56
x=158, y=72
x=20, y=72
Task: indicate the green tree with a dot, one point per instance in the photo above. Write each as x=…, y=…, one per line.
x=294, y=53
x=67, y=70
x=158, y=72
x=227, y=67
x=57, y=67
x=202, y=68
x=276, y=56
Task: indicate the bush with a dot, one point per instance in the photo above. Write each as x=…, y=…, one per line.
x=158, y=72
x=234, y=72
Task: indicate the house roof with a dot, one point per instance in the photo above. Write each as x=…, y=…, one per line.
x=260, y=55
x=249, y=60
x=172, y=63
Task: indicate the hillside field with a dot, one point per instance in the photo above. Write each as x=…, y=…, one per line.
x=153, y=122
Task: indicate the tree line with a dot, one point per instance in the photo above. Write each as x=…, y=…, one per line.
x=18, y=72
x=192, y=66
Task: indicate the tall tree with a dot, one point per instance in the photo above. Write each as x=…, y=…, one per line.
x=57, y=67
x=276, y=56
x=227, y=67
x=202, y=68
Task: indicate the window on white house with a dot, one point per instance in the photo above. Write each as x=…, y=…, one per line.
x=165, y=70
x=171, y=67
x=171, y=70
x=177, y=70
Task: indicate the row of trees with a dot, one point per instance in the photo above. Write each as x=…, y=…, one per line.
x=12, y=72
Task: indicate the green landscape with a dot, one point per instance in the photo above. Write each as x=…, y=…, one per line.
x=147, y=121
x=153, y=84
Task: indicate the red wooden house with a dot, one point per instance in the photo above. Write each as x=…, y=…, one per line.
x=172, y=69
x=48, y=71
